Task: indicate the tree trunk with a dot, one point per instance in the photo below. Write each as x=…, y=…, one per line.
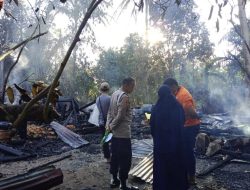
x=245, y=34
x=76, y=39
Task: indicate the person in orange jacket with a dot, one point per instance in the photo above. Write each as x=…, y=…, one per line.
x=1, y=4
x=191, y=126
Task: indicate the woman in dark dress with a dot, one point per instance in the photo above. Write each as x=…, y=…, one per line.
x=167, y=123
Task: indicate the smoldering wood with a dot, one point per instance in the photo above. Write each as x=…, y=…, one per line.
x=11, y=112
x=21, y=117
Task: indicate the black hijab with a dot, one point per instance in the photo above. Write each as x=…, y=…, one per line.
x=167, y=122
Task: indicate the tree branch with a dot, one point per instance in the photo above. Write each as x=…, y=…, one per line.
x=11, y=68
x=8, y=74
x=244, y=40
x=22, y=115
x=241, y=65
x=8, y=52
x=90, y=10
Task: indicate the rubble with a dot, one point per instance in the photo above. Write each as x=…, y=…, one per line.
x=87, y=156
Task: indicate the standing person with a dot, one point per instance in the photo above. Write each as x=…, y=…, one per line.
x=167, y=124
x=119, y=120
x=103, y=102
x=192, y=124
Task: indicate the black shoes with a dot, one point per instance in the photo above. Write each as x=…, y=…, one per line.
x=114, y=183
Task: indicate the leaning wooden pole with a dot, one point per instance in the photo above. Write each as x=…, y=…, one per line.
x=8, y=52
x=22, y=115
x=90, y=10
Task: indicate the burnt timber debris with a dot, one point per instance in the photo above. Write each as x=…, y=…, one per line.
x=230, y=142
x=221, y=143
x=40, y=179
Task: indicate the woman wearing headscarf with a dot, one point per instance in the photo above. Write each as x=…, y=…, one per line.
x=167, y=123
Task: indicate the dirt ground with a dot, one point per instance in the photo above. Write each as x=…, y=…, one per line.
x=87, y=170
x=82, y=171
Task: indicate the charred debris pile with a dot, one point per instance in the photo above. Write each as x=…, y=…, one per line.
x=221, y=141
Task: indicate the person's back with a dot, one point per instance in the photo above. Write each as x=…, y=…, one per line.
x=103, y=102
x=119, y=120
x=167, y=123
x=186, y=100
x=123, y=131
x=192, y=124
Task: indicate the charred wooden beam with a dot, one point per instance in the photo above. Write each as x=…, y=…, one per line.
x=11, y=112
x=238, y=155
x=88, y=130
x=49, y=163
x=215, y=166
x=230, y=156
x=87, y=105
x=240, y=161
x=15, y=158
x=39, y=180
x=34, y=114
x=10, y=150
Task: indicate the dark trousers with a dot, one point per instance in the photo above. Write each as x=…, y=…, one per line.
x=169, y=172
x=190, y=134
x=105, y=146
x=121, y=157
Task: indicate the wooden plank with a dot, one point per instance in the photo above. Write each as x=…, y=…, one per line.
x=10, y=150
x=39, y=180
x=14, y=158
x=239, y=155
x=49, y=163
x=215, y=166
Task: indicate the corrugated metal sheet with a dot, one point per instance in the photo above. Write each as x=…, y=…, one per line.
x=68, y=136
x=141, y=148
x=144, y=170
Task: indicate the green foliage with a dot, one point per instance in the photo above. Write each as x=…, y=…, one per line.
x=135, y=59
x=43, y=57
x=188, y=48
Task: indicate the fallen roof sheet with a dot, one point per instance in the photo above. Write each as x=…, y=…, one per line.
x=68, y=136
x=144, y=169
x=141, y=148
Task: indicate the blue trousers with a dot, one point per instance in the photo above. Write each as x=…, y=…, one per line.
x=190, y=134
